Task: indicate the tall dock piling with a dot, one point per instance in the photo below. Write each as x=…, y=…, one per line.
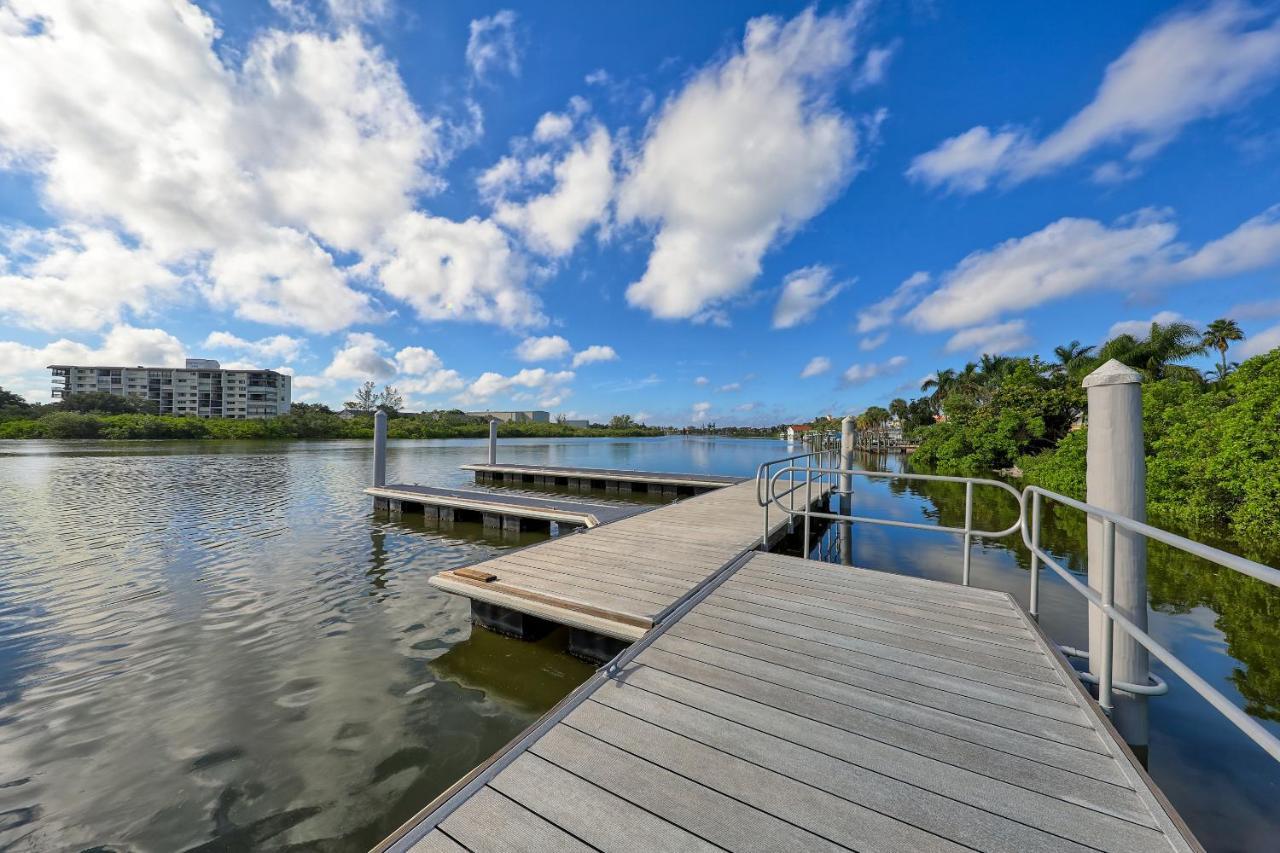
x=848, y=441
x=1116, y=480
x=493, y=441
x=379, y=448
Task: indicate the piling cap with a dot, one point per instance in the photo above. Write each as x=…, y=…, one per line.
x=1112, y=373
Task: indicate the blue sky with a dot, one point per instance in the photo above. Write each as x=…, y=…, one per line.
x=731, y=212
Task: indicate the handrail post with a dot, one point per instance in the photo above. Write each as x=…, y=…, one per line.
x=1035, y=557
x=845, y=487
x=1106, y=668
x=768, y=499
x=968, y=526
x=1115, y=480
x=808, y=501
x=493, y=441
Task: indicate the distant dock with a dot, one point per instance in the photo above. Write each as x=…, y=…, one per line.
x=497, y=510
x=608, y=479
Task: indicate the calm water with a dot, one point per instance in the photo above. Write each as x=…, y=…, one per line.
x=220, y=647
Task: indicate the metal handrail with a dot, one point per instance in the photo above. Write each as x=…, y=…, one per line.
x=1104, y=601
x=968, y=532
x=762, y=474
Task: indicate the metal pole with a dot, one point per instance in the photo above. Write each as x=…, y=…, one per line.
x=380, y=448
x=1107, y=667
x=768, y=499
x=968, y=526
x=845, y=486
x=493, y=441
x=1115, y=480
x=808, y=502
x=1035, y=559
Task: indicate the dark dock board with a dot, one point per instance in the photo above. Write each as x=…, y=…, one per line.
x=793, y=705
x=503, y=503
x=605, y=476
x=618, y=579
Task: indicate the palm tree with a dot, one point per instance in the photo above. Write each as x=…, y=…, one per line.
x=1070, y=354
x=941, y=384
x=1159, y=353
x=1221, y=371
x=1219, y=335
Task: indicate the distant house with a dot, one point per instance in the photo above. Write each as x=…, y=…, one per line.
x=798, y=431
x=513, y=417
x=579, y=424
x=350, y=414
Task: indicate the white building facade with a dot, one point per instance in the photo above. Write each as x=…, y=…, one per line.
x=200, y=389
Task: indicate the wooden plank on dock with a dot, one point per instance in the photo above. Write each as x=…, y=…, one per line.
x=731, y=729
x=561, y=511
x=628, y=572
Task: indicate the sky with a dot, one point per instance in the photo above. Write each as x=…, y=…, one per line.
x=729, y=212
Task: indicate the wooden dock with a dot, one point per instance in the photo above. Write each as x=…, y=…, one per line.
x=616, y=581
x=609, y=479
x=795, y=705
x=498, y=509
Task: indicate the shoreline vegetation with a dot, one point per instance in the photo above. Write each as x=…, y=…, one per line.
x=1212, y=439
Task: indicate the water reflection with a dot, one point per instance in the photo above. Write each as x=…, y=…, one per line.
x=1222, y=624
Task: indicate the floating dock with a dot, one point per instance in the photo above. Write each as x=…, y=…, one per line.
x=616, y=581
x=794, y=705
x=498, y=509
x=609, y=479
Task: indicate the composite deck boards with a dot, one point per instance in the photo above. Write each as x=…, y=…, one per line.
x=793, y=705
x=661, y=478
x=561, y=510
x=618, y=579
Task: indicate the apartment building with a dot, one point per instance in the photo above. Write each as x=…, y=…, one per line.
x=200, y=389
x=513, y=417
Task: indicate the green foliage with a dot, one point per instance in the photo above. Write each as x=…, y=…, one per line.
x=104, y=402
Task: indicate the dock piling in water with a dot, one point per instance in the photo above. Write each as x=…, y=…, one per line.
x=379, y=448
x=1115, y=476
x=848, y=441
x=493, y=441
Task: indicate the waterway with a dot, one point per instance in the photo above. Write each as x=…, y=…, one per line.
x=219, y=646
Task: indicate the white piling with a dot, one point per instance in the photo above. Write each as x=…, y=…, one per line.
x=380, y=448
x=1116, y=480
x=845, y=532
x=493, y=441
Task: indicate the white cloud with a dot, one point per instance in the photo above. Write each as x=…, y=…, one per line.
x=452, y=270
x=1189, y=66
x=875, y=66
x=700, y=411
x=748, y=151
x=271, y=348
x=702, y=380
x=77, y=278
x=594, y=353
x=1258, y=343
x=355, y=11
x=1075, y=255
x=995, y=339
x=1140, y=328
x=873, y=342
x=860, y=374
x=418, y=360
x=552, y=126
x=362, y=356
x=552, y=222
x=803, y=293
x=884, y=312
x=817, y=366
x=492, y=45
x=546, y=348
x=547, y=387
x=124, y=346
x=729, y=387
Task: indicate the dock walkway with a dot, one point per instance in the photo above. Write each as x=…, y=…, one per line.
x=613, y=479
x=501, y=509
x=794, y=705
x=618, y=580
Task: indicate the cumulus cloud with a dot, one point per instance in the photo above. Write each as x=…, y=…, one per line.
x=418, y=360
x=817, y=366
x=492, y=45
x=729, y=387
x=362, y=356
x=546, y=348
x=1189, y=66
x=22, y=365
x=594, y=353
x=1140, y=328
x=884, y=312
x=749, y=150
x=803, y=293
x=273, y=348
x=1075, y=255
x=547, y=387
x=701, y=380
x=873, y=342
x=995, y=339
x=449, y=270
x=860, y=374
x=1259, y=342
